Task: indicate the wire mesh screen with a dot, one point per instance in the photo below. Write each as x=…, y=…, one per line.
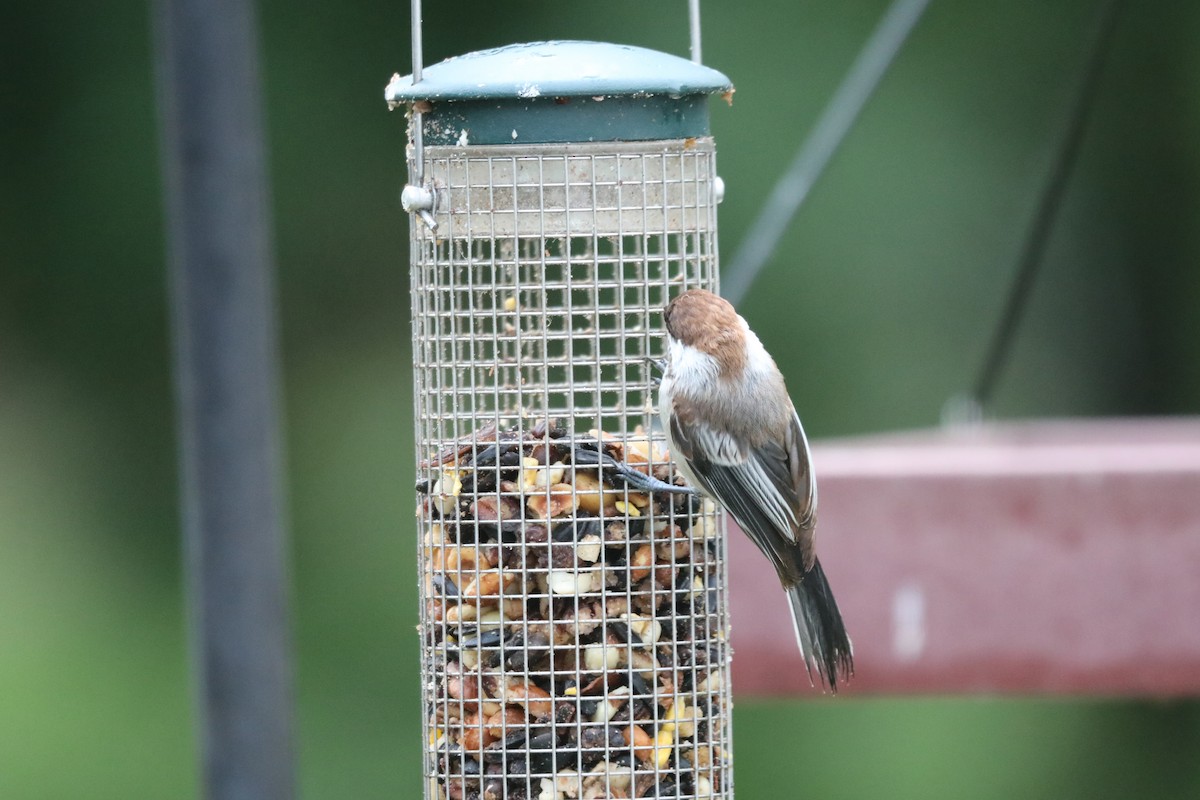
x=574, y=620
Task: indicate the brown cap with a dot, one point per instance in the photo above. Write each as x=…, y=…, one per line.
x=700, y=319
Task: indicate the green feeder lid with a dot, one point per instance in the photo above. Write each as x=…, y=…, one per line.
x=561, y=92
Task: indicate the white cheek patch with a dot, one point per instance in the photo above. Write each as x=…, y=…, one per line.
x=691, y=367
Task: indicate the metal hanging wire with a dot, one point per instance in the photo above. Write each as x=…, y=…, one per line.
x=418, y=59
x=1046, y=212
x=817, y=150
x=694, y=29
x=416, y=198
x=830, y=131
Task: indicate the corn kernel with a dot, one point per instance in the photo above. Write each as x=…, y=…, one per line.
x=628, y=509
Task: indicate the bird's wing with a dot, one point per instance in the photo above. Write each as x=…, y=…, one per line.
x=769, y=489
x=800, y=460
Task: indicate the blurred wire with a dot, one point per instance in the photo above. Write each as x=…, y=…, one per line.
x=226, y=363
x=814, y=154
x=1034, y=247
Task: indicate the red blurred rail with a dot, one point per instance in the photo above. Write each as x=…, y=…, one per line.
x=1047, y=557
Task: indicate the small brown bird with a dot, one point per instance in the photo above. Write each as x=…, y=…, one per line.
x=735, y=435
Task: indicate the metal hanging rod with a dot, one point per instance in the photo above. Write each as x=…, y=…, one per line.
x=418, y=57
x=694, y=28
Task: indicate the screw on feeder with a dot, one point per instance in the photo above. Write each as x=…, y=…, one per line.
x=573, y=594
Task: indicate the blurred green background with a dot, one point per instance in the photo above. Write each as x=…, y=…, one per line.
x=879, y=302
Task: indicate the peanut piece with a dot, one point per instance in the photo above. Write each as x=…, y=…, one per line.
x=643, y=557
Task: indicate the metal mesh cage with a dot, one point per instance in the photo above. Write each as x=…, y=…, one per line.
x=573, y=616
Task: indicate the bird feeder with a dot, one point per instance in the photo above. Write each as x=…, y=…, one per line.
x=574, y=622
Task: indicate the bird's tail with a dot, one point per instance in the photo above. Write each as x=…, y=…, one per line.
x=819, y=629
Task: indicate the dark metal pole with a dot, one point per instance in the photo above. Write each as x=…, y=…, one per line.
x=223, y=324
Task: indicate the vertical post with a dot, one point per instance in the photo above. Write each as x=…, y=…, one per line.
x=224, y=335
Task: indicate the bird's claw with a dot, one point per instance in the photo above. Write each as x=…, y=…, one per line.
x=627, y=474
x=659, y=364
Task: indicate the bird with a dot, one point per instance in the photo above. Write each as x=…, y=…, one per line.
x=735, y=435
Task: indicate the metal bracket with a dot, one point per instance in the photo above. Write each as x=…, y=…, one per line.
x=420, y=201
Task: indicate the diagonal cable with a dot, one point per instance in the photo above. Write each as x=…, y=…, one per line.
x=816, y=151
x=1034, y=246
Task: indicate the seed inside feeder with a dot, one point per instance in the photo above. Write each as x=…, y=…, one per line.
x=572, y=643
